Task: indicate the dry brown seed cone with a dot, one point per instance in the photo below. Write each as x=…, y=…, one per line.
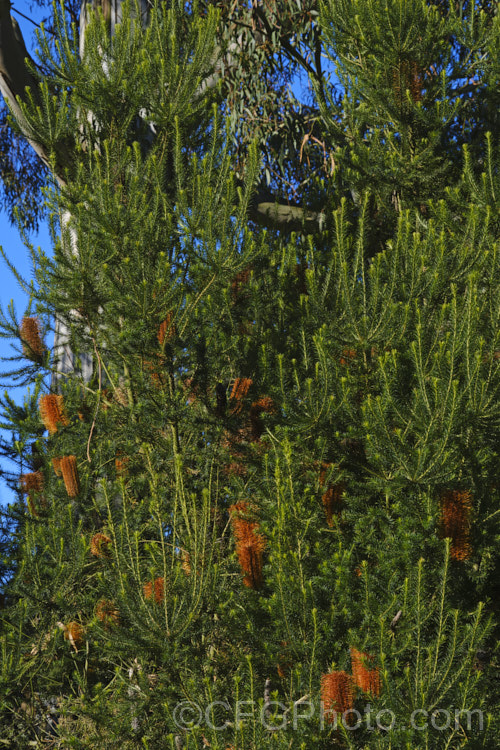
x=33, y=484
x=99, y=545
x=107, y=612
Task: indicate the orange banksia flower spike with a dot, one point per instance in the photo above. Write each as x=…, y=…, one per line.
x=366, y=677
x=186, y=562
x=99, y=545
x=74, y=633
x=332, y=501
x=408, y=76
x=250, y=545
x=155, y=371
x=416, y=82
x=332, y=496
x=348, y=356
x=154, y=590
x=238, y=282
x=167, y=329
x=107, y=613
x=456, y=508
x=285, y=661
x=263, y=404
x=121, y=465
x=69, y=470
x=238, y=392
x=56, y=464
x=52, y=412
x=337, y=694
x=32, y=484
x=33, y=346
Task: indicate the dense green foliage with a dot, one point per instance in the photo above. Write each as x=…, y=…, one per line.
x=289, y=444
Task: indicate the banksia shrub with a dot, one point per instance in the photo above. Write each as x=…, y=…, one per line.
x=154, y=590
x=107, y=613
x=250, y=545
x=33, y=346
x=456, y=507
x=337, y=694
x=52, y=412
x=32, y=484
x=69, y=471
x=99, y=545
x=366, y=677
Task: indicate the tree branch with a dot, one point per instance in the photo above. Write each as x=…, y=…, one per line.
x=279, y=216
x=15, y=77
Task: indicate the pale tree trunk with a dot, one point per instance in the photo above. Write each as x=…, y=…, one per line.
x=15, y=78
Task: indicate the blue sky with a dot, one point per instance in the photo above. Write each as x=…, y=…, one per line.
x=14, y=248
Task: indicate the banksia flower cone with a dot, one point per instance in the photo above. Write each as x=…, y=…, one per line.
x=107, y=613
x=121, y=465
x=238, y=282
x=263, y=404
x=365, y=677
x=337, y=694
x=99, y=545
x=33, y=346
x=56, y=464
x=250, y=545
x=69, y=472
x=52, y=412
x=348, y=356
x=154, y=590
x=238, y=392
x=186, y=562
x=285, y=660
x=32, y=484
x=456, y=509
x=167, y=329
x=74, y=633
x=332, y=497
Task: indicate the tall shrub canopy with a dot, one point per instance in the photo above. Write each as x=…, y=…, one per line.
x=265, y=514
